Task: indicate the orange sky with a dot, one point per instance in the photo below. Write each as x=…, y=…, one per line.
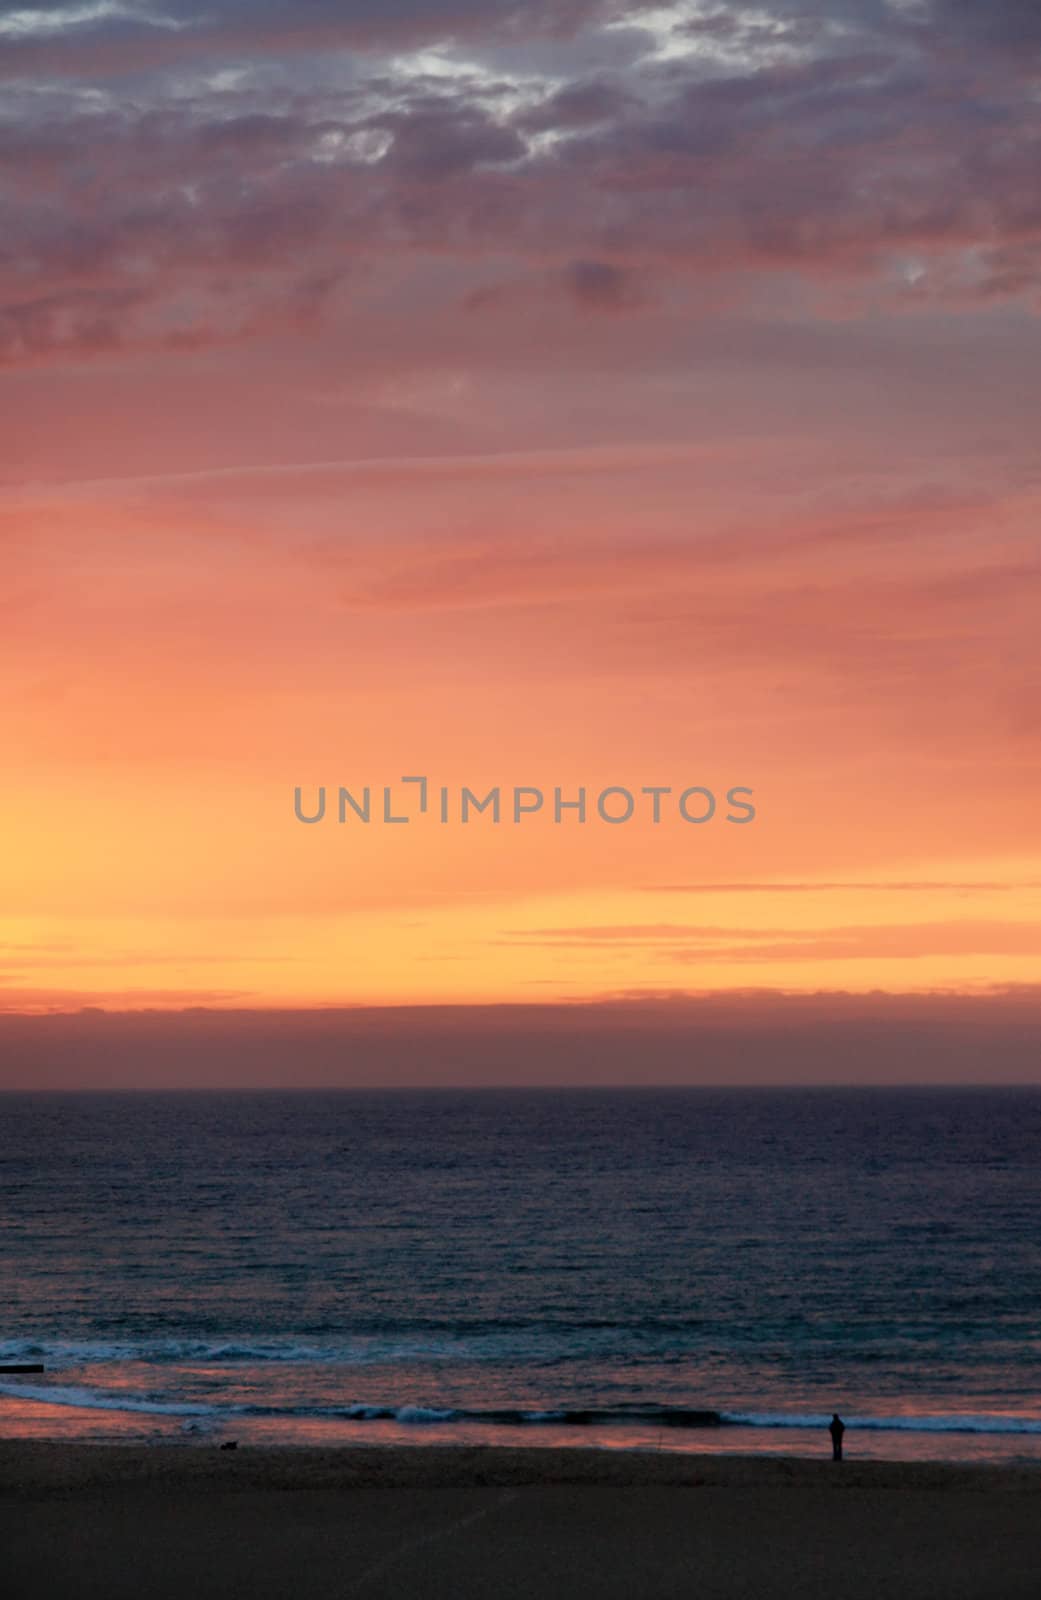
x=497, y=485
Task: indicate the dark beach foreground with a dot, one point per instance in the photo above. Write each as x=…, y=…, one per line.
x=120, y=1521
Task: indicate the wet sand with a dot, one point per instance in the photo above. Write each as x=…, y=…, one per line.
x=111, y=1521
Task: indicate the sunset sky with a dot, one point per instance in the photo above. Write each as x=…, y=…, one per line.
x=554, y=394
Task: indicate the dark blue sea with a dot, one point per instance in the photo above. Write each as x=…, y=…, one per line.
x=693, y=1270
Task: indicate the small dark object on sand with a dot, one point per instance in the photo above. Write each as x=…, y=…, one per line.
x=230, y=1444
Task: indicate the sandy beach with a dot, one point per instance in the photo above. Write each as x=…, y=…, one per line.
x=118, y=1521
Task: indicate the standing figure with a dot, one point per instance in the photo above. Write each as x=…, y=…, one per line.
x=836, y=1427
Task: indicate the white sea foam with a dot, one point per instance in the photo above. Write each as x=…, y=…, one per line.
x=93, y=1400
x=84, y=1398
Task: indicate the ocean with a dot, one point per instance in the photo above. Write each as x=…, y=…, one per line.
x=669, y=1269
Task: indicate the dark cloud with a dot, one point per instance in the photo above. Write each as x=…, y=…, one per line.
x=751, y=1036
x=1007, y=26
x=172, y=31
x=594, y=286
x=577, y=106
x=899, y=150
x=446, y=141
x=599, y=286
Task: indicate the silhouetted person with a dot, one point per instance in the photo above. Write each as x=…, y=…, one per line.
x=836, y=1427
